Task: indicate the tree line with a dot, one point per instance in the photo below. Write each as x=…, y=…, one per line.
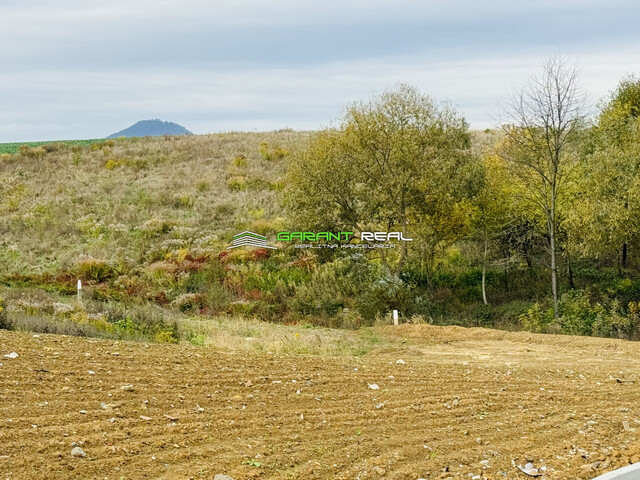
x=553, y=202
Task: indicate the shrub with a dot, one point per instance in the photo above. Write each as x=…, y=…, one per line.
x=634, y=320
x=350, y=319
x=355, y=284
x=168, y=334
x=106, y=144
x=91, y=227
x=27, y=151
x=145, y=324
x=4, y=320
x=95, y=270
x=577, y=314
x=155, y=226
x=135, y=163
x=196, y=339
x=188, y=302
x=264, y=151
x=52, y=147
x=536, y=319
x=257, y=184
x=110, y=164
x=33, y=302
x=183, y=201
x=390, y=293
x=611, y=322
x=237, y=184
x=272, y=153
x=240, y=161
x=39, y=324
x=581, y=315
x=215, y=299
x=276, y=186
x=256, y=213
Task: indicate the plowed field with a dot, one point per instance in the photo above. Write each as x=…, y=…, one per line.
x=449, y=403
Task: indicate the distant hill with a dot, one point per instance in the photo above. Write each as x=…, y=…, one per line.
x=151, y=128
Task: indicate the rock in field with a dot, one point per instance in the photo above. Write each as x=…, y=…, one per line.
x=78, y=452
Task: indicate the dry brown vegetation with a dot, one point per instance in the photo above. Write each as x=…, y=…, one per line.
x=135, y=200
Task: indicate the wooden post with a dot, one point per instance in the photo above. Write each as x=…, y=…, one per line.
x=395, y=317
x=79, y=290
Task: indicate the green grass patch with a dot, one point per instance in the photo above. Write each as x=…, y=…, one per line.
x=14, y=147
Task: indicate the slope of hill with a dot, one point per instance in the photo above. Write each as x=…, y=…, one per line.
x=135, y=199
x=151, y=128
x=462, y=403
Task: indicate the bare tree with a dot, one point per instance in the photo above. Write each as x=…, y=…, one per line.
x=544, y=122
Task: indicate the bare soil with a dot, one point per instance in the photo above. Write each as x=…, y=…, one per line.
x=462, y=403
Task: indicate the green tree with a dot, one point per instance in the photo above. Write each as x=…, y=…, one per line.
x=400, y=162
x=545, y=120
x=492, y=209
x=606, y=217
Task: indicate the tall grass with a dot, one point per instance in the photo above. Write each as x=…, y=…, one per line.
x=133, y=201
x=33, y=310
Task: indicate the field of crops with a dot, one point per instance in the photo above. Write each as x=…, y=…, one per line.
x=14, y=147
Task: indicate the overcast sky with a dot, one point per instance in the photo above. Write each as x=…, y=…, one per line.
x=86, y=69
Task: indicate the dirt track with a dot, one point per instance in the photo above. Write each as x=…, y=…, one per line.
x=194, y=412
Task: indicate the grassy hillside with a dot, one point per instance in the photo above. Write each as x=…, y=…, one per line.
x=134, y=201
x=138, y=220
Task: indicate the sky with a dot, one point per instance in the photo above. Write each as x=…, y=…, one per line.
x=85, y=69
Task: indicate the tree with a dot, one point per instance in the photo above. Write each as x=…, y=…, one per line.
x=607, y=213
x=545, y=120
x=491, y=212
x=399, y=162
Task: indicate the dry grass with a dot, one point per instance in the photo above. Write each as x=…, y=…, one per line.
x=31, y=309
x=131, y=201
x=243, y=334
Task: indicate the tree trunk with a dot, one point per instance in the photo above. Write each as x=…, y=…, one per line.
x=403, y=247
x=552, y=245
x=624, y=255
x=403, y=250
x=619, y=264
x=484, y=273
x=571, y=283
